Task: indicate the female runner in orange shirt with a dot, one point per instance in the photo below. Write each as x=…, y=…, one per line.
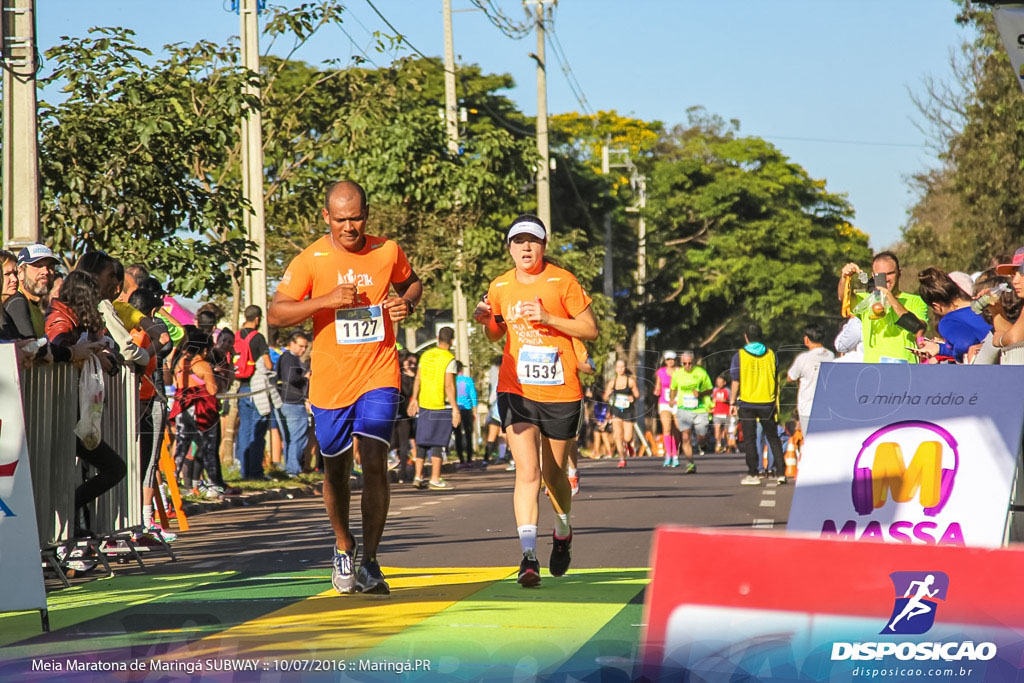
x=539, y=308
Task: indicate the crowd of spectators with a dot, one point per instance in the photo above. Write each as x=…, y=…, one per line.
x=118, y=316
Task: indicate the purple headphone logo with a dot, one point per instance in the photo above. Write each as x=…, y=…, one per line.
x=864, y=481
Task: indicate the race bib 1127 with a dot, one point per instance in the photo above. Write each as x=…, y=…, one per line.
x=359, y=325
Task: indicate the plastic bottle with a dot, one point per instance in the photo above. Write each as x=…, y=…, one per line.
x=989, y=298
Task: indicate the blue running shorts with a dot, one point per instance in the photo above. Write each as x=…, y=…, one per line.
x=372, y=415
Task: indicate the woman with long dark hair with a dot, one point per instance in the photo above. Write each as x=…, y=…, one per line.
x=72, y=314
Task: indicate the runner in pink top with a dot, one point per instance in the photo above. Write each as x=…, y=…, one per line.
x=666, y=411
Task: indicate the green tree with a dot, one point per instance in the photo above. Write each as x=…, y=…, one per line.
x=737, y=231
x=971, y=207
x=118, y=155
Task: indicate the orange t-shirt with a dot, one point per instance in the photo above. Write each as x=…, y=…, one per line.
x=539, y=362
x=353, y=348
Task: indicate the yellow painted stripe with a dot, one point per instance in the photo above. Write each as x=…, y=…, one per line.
x=332, y=626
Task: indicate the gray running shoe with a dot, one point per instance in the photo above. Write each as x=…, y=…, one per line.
x=343, y=579
x=370, y=579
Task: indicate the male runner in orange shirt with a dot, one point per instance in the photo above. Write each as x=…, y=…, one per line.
x=343, y=282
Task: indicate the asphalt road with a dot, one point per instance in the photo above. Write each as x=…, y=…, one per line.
x=613, y=517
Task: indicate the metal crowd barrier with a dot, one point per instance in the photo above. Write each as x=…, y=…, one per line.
x=50, y=402
x=49, y=397
x=121, y=507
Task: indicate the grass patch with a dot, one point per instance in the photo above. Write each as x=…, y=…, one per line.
x=278, y=479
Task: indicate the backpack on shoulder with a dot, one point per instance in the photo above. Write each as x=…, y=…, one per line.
x=245, y=364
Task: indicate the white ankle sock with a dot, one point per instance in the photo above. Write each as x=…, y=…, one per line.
x=572, y=471
x=528, y=539
x=562, y=525
x=147, y=515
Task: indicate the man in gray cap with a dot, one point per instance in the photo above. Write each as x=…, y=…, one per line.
x=25, y=311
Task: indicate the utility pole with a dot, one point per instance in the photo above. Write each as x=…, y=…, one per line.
x=639, y=184
x=20, y=153
x=543, y=165
x=451, y=124
x=252, y=162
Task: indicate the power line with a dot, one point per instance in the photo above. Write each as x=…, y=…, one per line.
x=570, y=76
x=402, y=39
x=513, y=30
x=356, y=45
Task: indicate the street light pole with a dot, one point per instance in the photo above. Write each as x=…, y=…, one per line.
x=543, y=164
x=451, y=122
x=252, y=163
x=20, y=153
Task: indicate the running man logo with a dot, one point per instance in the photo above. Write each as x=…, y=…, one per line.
x=917, y=598
x=889, y=476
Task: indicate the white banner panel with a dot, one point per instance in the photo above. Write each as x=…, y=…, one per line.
x=20, y=570
x=1010, y=21
x=917, y=454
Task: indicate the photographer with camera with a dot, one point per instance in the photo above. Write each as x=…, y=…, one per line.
x=891, y=319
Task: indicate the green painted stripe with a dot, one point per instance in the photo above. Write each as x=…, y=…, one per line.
x=94, y=600
x=508, y=631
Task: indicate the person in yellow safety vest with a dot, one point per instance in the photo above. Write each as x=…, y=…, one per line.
x=434, y=404
x=754, y=398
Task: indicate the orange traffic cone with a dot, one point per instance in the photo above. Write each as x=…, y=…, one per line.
x=790, y=458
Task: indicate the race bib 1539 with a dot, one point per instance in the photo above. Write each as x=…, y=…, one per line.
x=539, y=365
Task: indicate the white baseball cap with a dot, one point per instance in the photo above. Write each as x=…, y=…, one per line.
x=670, y=354
x=529, y=227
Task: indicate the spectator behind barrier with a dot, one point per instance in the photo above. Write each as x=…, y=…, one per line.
x=887, y=333
x=1001, y=313
x=109, y=275
x=24, y=311
x=959, y=325
x=9, y=285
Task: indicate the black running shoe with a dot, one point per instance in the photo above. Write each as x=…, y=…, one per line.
x=370, y=579
x=561, y=554
x=529, y=573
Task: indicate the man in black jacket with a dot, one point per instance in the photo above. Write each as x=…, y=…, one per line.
x=293, y=376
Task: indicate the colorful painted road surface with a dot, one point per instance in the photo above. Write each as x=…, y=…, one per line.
x=465, y=624
x=251, y=587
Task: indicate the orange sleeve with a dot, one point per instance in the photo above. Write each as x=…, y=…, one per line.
x=576, y=300
x=402, y=271
x=297, y=282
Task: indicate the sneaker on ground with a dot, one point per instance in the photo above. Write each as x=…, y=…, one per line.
x=667, y=463
x=675, y=462
x=440, y=484
x=622, y=463
x=342, y=578
x=209, y=492
x=417, y=482
x=750, y=480
x=561, y=554
x=529, y=572
x=691, y=468
x=157, y=530
x=781, y=479
x=574, y=484
x=511, y=466
x=370, y=579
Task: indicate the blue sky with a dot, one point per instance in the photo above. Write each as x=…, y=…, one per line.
x=825, y=80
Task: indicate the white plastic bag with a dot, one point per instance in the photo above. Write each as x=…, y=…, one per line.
x=90, y=403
